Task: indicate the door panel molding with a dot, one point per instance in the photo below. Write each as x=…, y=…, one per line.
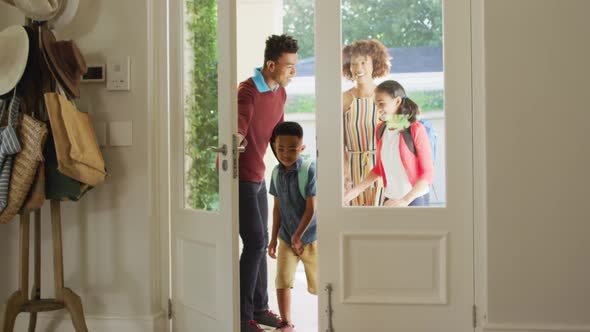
x=394, y=283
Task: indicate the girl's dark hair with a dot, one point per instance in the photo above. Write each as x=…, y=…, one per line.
x=394, y=89
x=277, y=45
x=371, y=47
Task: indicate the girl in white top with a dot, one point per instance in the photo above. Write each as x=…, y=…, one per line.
x=406, y=174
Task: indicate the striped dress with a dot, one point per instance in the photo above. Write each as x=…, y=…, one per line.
x=360, y=122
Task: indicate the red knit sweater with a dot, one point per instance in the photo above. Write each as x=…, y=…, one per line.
x=417, y=166
x=258, y=114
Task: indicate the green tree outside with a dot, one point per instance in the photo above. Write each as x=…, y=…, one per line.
x=202, y=183
x=429, y=101
x=396, y=23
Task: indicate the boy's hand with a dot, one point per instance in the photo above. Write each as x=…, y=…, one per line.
x=272, y=249
x=297, y=245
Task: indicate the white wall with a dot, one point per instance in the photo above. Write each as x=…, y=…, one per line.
x=256, y=20
x=110, y=251
x=109, y=236
x=538, y=117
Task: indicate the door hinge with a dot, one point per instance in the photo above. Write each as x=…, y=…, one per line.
x=474, y=316
x=329, y=310
x=169, y=309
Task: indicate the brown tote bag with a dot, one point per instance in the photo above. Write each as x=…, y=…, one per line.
x=78, y=154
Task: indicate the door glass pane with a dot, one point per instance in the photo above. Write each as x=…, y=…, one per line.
x=399, y=41
x=200, y=104
x=298, y=22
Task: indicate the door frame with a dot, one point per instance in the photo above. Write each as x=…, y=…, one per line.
x=478, y=110
x=159, y=172
x=158, y=155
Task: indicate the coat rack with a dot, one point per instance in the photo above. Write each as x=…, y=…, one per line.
x=64, y=297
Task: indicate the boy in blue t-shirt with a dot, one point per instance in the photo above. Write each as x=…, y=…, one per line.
x=294, y=217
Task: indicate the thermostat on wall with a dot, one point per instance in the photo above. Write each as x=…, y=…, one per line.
x=118, y=73
x=95, y=73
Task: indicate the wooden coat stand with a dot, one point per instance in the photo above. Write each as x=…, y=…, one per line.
x=19, y=301
x=64, y=297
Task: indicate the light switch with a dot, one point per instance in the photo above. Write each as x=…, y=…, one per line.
x=101, y=133
x=118, y=76
x=121, y=133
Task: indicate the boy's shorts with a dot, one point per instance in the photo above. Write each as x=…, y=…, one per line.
x=287, y=264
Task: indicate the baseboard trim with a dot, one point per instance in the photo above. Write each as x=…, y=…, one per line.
x=535, y=328
x=60, y=321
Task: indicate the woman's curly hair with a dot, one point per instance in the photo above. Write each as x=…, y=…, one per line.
x=367, y=47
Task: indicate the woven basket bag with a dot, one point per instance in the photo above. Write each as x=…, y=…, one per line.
x=32, y=134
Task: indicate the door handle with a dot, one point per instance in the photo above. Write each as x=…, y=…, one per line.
x=222, y=149
x=241, y=149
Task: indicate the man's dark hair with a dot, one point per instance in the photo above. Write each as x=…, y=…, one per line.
x=287, y=128
x=277, y=45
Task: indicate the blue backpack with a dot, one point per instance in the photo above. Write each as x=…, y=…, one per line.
x=302, y=176
x=430, y=131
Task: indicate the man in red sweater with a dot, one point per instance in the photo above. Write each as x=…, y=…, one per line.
x=261, y=102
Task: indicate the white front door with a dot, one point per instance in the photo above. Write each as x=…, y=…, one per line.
x=203, y=115
x=396, y=269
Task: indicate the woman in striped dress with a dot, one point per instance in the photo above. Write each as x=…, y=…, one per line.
x=363, y=61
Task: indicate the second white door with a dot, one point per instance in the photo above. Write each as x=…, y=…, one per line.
x=396, y=269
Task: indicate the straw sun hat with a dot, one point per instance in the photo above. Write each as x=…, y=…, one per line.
x=66, y=14
x=13, y=62
x=59, y=13
x=39, y=10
